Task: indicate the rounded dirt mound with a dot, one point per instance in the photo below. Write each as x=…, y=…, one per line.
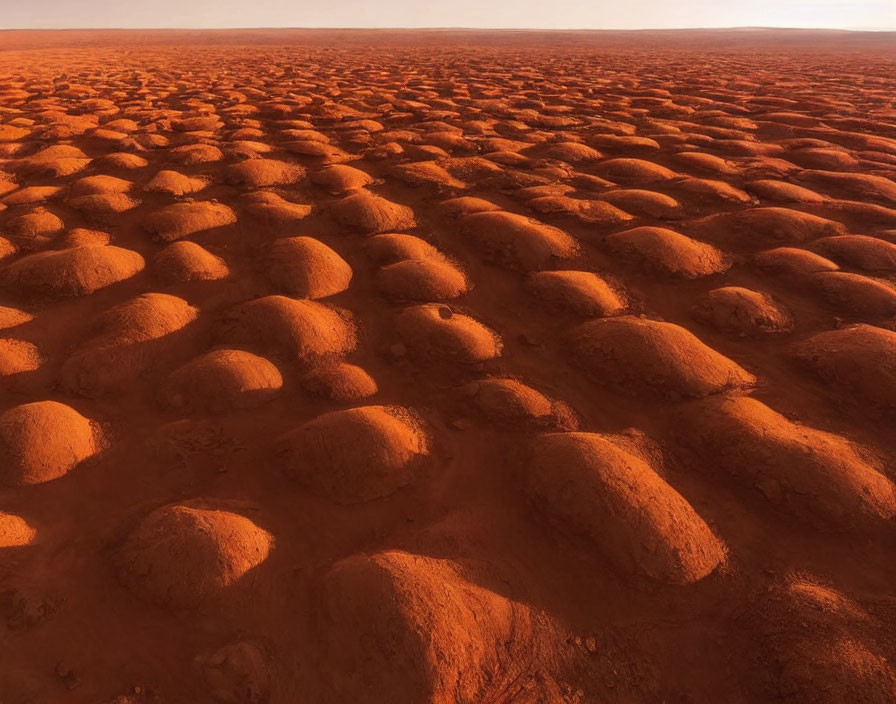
x=467, y=205
x=790, y=261
x=579, y=292
x=783, y=192
x=273, y=209
x=13, y=317
x=624, y=170
x=339, y=179
x=300, y=329
x=17, y=356
x=34, y=230
x=391, y=248
x=98, y=185
x=517, y=241
x=663, y=251
x=72, y=272
x=859, y=251
x=587, y=484
x=640, y=202
x=43, y=441
x=306, y=267
x=809, y=471
x=340, y=381
x=222, y=380
x=367, y=214
x=355, y=455
x=511, y=404
x=401, y=627
x=436, y=331
x=421, y=280
x=175, y=183
x=188, y=261
x=261, y=173
x=181, y=220
x=638, y=356
x=858, y=361
x=857, y=295
x=182, y=557
x=743, y=312
x=760, y=227
x=15, y=531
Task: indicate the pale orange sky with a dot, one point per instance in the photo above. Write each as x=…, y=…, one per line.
x=546, y=14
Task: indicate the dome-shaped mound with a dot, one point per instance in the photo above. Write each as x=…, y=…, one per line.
x=791, y=261
x=99, y=185
x=13, y=317
x=421, y=173
x=175, y=183
x=518, y=241
x=55, y=161
x=43, y=441
x=854, y=294
x=712, y=192
x=664, y=251
x=587, y=484
x=340, y=178
x=756, y=228
x=421, y=280
x=783, y=192
x=304, y=330
x=571, y=152
x=180, y=220
x=435, y=331
x=641, y=202
x=192, y=154
x=261, y=173
x=72, y=272
x=184, y=556
x=368, y=214
x=306, y=267
x=275, y=210
x=355, y=455
x=809, y=471
x=221, y=380
x=188, y=261
x=857, y=185
x=123, y=160
x=467, y=205
x=510, y=403
x=18, y=356
x=35, y=229
x=400, y=627
x=638, y=355
x=340, y=381
x=590, y=211
x=579, y=292
x=742, y=311
x=390, y=248
x=859, y=360
x=14, y=531
x=859, y=251
x=82, y=237
x=625, y=170
x=102, y=206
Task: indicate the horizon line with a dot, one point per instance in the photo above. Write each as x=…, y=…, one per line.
x=451, y=28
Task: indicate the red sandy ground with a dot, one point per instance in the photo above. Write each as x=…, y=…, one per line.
x=447, y=367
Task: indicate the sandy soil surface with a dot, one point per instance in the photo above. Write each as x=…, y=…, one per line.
x=446, y=367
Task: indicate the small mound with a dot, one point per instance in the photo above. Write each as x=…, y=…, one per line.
x=421, y=280
x=123, y=160
x=82, y=237
x=589, y=211
x=340, y=178
x=572, y=152
x=705, y=162
x=30, y=195
x=56, y=161
x=175, y=183
x=427, y=173
x=399, y=627
x=340, y=381
x=742, y=312
x=192, y=154
x=702, y=189
x=646, y=356
x=13, y=317
x=72, y=272
x=793, y=262
x=180, y=220
x=664, y=251
x=99, y=185
x=806, y=470
x=304, y=330
x=183, y=556
x=15, y=531
x=517, y=241
x=222, y=380
x=760, y=227
x=103, y=205
x=187, y=261
x=356, y=455
x=587, y=484
x=436, y=331
x=859, y=360
x=17, y=356
x=306, y=267
x=261, y=173
x=579, y=292
x=511, y=404
x=43, y=441
x=465, y=205
x=859, y=251
x=857, y=185
x=34, y=230
x=368, y=214
x=275, y=210
x=633, y=171
x=783, y=192
x=391, y=248
x=641, y=202
x=854, y=294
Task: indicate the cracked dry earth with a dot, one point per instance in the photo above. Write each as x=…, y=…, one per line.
x=447, y=368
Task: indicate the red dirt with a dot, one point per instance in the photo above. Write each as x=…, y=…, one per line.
x=444, y=366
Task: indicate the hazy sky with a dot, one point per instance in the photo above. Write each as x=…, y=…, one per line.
x=548, y=14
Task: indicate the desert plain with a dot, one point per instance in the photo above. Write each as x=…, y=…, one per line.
x=446, y=367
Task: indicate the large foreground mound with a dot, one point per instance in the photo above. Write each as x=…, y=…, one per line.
x=43, y=441
x=182, y=557
x=355, y=455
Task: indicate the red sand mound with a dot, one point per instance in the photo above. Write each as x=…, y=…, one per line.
x=187, y=261
x=859, y=251
x=306, y=267
x=588, y=485
x=436, y=331
x=43, y=441
x=72, y=272
x=789, y=261
x=14, y=531
x=404, y=627
x=742, y=311
x=580, y=292
x=387, y=249
x=368, y=214
x=273, y=209
x=518, y=241
x=854, y=294
x=222, y=380
x=799, y=468
x=183, y=556
x=640, y=202
x=631, y=171
x=509, y=403
x=179, y=220
x=421, y=280
x=638, y=355
x=341, y=178
x=355, y=455
x=34, y=230
x=664, y=251
x=260, y=173
x=175, y=183
x=13, y=317
x=761, y=227
x=17, y=356
x=339, y=381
